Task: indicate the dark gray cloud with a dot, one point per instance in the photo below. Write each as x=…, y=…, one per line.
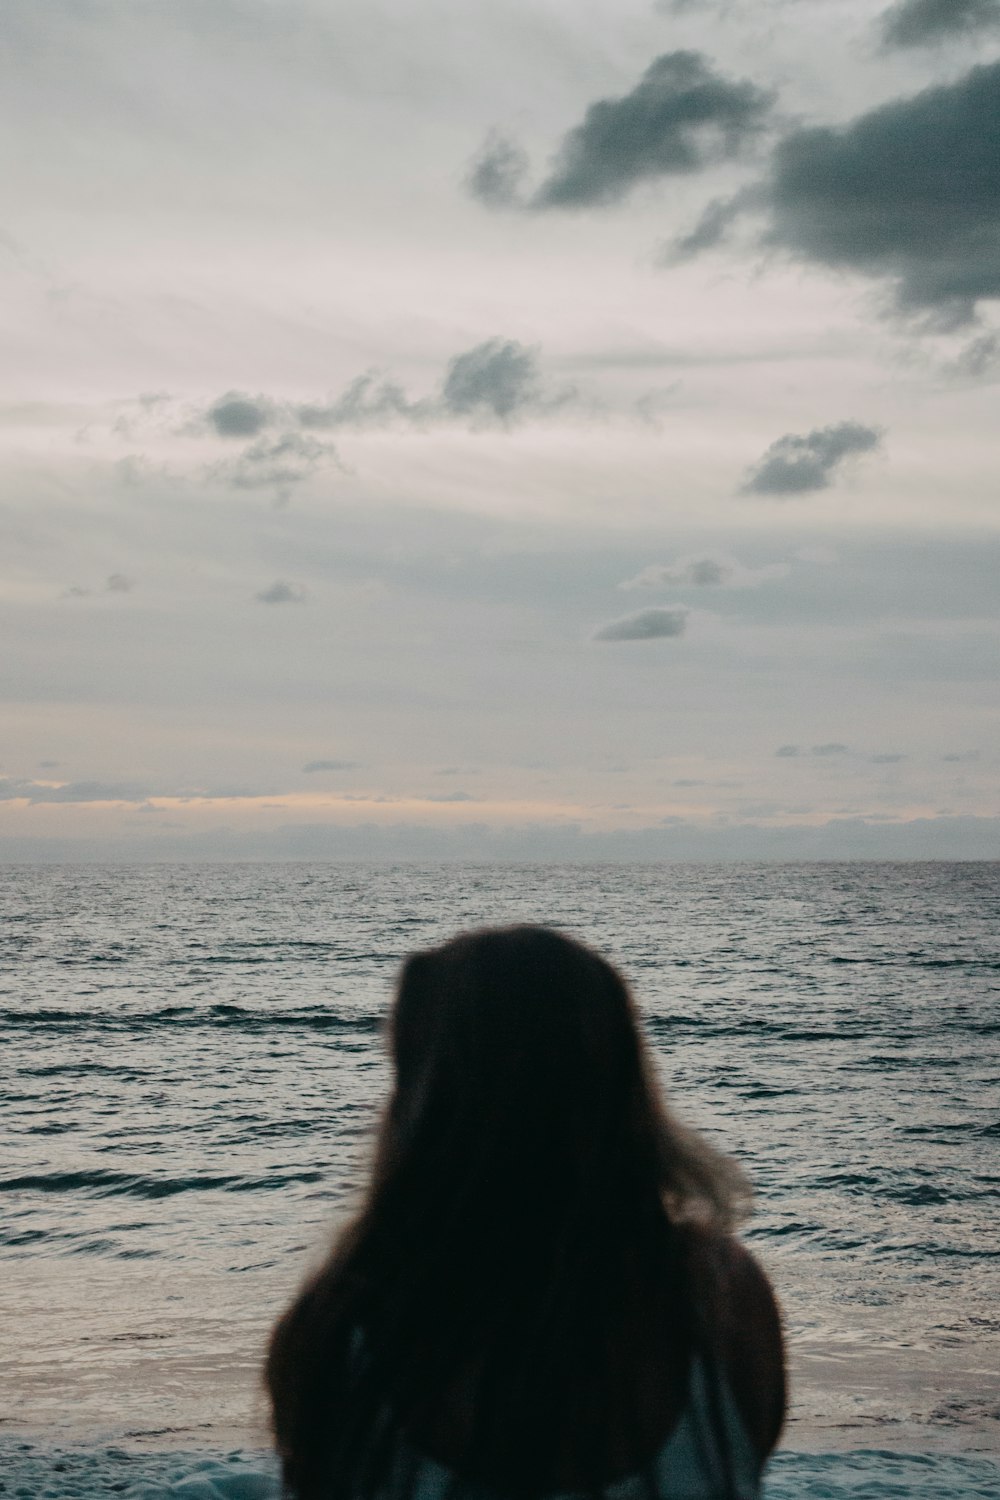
x=796, y=464
x=787, y=752
x=922, y=23
x=680, y=117
x=332, y=765
x=497, y=172
x=647, y=625
x=889, y=758
x=237, y=415
x=498, y=378
x=909, y=191
x=832, y=747
x=281, y=592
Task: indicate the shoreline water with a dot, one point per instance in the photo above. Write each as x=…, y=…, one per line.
x=74, y=1472
x=170, y=1397
x=195, y=1061
x=151, y=1356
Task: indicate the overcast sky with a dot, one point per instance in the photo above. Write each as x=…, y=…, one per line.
x=550, y=428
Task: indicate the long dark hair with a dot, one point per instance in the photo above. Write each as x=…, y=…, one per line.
x=519, y=1255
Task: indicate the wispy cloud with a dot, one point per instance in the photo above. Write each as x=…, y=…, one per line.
x=704, y=571
x=497, y=172
x=279, y=463
x=979, y=358
x=371, y=400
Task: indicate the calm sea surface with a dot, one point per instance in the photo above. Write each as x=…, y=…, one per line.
x=192, y=1062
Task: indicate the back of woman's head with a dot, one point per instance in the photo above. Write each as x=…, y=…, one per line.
x=521, y=1223
x=521, y=1082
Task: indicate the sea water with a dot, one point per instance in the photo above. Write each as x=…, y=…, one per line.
x=192, y=1065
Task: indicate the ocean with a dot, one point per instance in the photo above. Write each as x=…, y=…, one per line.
x=192, y=1064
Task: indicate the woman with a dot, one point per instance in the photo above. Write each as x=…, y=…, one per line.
x=540, y=1293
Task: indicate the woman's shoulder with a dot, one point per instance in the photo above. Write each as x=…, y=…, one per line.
x=745, y=1319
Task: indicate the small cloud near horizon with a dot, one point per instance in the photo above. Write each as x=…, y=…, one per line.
x=831, y=747
x=646, y=625
x=331, y=765
x=281, y=592
x=704, y=572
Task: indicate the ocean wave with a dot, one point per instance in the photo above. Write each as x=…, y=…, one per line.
x=103, y=1183
x=219, y=1015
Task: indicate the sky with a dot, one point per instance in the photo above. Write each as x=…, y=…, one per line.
x=551, y=429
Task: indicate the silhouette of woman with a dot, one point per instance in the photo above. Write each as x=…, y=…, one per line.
x=540, y=1293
